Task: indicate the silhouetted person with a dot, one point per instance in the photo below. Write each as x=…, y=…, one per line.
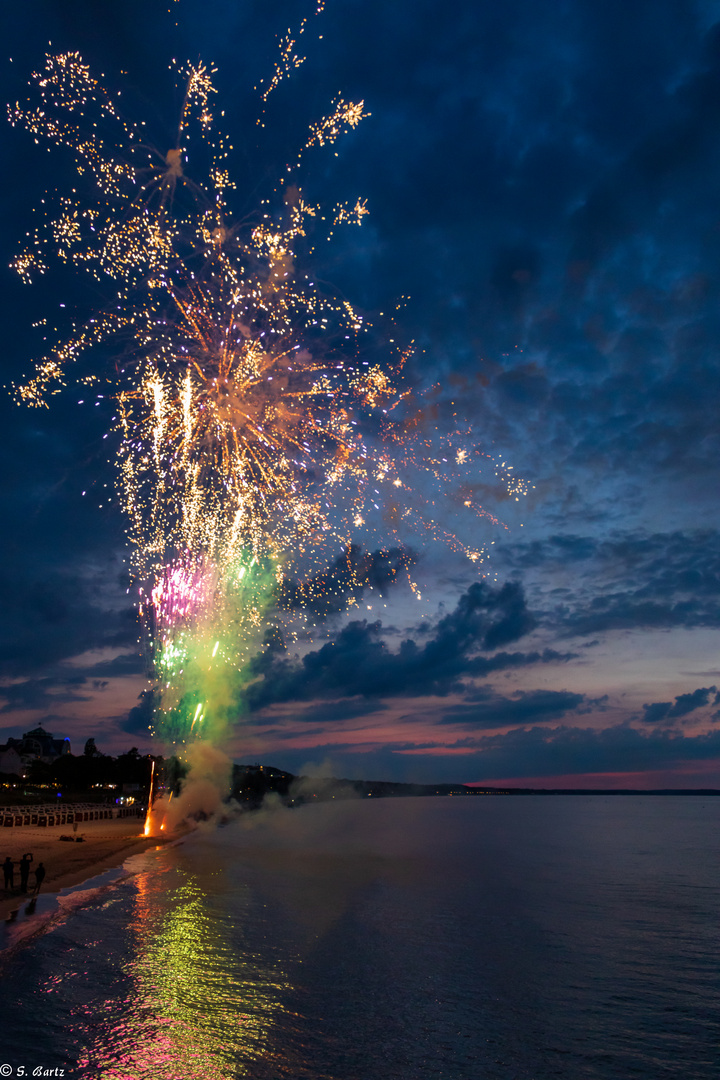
x=25, y=871
x=9, y=871
x=39, y=876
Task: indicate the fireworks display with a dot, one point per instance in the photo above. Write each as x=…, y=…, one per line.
x=255, y=439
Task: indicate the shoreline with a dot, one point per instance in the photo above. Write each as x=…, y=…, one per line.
x=106, y=845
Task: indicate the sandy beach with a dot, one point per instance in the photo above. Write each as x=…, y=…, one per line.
x=106, y=844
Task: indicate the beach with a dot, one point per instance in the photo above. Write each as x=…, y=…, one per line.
x=105, y=844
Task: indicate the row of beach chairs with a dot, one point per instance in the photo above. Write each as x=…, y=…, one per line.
x=14, y=816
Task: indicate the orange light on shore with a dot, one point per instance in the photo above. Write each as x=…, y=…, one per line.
x=146, y=830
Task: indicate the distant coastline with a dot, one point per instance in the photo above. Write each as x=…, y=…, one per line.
x=252, y=783
x=596, y=791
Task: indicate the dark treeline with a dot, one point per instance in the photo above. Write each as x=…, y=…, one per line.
x=94, y=776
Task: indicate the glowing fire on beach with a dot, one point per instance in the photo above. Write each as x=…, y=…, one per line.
x=146, y=830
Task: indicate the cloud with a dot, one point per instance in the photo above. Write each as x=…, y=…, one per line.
x=66, y=683
x=60, y=616
x=566, y=242
x=140, y=716
x=620, y=748
x=687, y=703
x=358, y=661
x=656, y=712
x=130, y=663
x=525, y=707
x=684, y=704
x=349, y=576
x=628, y=580
x=522, y=752
x=550, y=186
x=319, y=713
x=659, y=564
x=43, y=693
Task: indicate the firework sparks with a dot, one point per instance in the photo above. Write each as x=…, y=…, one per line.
x=148, y=815
x=254, y=440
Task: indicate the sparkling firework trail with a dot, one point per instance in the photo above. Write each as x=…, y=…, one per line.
x=148, y=815
x=254, y=440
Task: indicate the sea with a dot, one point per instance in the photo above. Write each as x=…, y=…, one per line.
x=534, y=937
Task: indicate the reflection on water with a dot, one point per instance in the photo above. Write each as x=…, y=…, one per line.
x=198, y=1003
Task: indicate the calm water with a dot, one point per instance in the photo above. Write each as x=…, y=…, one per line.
x=531, y=937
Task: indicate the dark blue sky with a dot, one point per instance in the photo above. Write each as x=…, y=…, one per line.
x=544, y=184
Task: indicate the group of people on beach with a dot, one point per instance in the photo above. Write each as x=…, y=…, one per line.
x=24, y=867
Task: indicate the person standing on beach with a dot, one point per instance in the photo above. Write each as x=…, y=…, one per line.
x=25, y=871
x=9, y=871
x=39, y=876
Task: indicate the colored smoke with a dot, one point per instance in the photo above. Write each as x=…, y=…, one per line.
x=204, y=789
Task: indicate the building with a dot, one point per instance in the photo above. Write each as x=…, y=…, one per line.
x=38, y=745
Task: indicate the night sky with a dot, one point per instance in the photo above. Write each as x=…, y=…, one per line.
x=543, y=182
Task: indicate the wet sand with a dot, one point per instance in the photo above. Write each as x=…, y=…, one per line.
x=106, y=844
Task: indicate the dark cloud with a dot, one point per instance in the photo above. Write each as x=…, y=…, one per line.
x=656, y=712
x=513, y=622
x=129, y=663
x=595, y=705
x=66, y=684
x=620, y=612
x=514, y=272
x=140, y=716
x=524, y=708
x=359, y=663
x=678, y=140
x=50, y=620
x=322, y=713
x=551, y=195
x=621, y=748
x=661, y=565
x=629, y=580
x=349, y=576
x=43, y=693
x=687, y=703
x=684, y=703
